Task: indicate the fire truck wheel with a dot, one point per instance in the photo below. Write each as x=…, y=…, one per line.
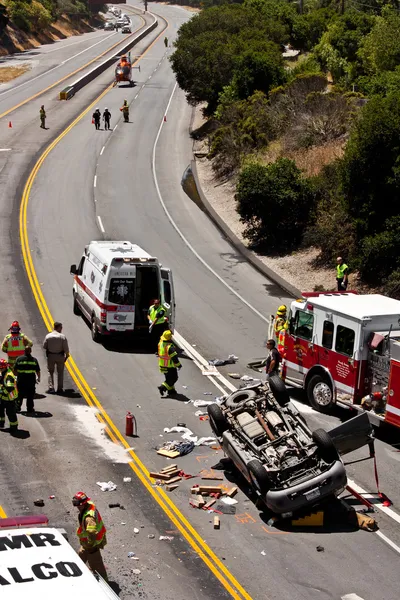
x=326, y=446
x=238, y=397
x=278, y=389
x=259, y=476
x=320, y=394
x=217, y=419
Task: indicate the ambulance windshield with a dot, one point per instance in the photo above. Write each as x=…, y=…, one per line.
x=122, y=291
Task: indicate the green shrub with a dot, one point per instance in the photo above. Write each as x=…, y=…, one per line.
x=380, y=253
x=274, y=203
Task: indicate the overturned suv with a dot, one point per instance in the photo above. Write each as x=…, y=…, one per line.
x=268, y=440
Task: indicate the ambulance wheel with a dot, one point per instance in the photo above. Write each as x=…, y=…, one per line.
x=96, y=336
x=320, y=394
x=76, y=309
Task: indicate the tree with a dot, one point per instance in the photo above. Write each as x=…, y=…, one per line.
x=381, y=84
x=380, y=49
x=274, y=202
x=308, y=28
x=371, y=165
x=258, y=69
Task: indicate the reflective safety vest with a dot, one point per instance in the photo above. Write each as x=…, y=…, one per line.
x=340, y=269
x=153, y=311
x=8, y=388
x=82, y=533
x=281, y=341
x=14, y=344
x=164, y=357
x=279, y=324
x=26, y=365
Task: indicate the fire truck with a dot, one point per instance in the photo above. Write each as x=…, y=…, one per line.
x=345, y=347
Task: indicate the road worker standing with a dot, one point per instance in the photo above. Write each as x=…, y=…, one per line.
x=8, y=396
x=168, y=363
x=14, y=343
x=91, y=533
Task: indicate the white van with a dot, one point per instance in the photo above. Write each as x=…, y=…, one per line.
x=42, y=559
x=114, y=285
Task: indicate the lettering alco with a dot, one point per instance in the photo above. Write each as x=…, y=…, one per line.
x=41, y=571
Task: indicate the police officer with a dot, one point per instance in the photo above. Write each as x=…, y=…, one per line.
x=96, y=118
x=91, y=533
x=157, y=317
x=168, y=363
x=8, y=396
x=14, y=343
x=27, y=371
x=107, y=118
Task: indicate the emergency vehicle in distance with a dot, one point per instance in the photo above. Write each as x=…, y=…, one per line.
x=43, y=561
x=346, y=347
x=114, y=285
x=123, y=71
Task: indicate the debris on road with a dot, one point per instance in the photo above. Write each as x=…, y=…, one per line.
x=220, y=362
x=189, y=436
x=151, y=536
x=51, y=497
x=234, y=375
x=225, y=510
x=38, y=502
x=229, y=501
x=166, y=538
x=171, y=488
x=175, y=448
x=263, y=553
x=210, y=476
x=114, y=505
x=216, y=522
x=135, y=530
x=136, y=571
x=131, y=554
x=127, y=479
x=106, y=486
x=320, y=549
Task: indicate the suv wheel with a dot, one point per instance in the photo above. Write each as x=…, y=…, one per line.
x=320, y=394
x=279, y=390
x=259, y=476
x=325, y=445
x=218, y=422
x=238, y=397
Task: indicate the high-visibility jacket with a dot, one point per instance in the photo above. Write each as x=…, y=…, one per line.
x=340, y=271
x=281, y=341
x=279, y=324
x=8, y=387
x=14, y=344
x=26, y=365
x=153, y=314
x=85, y=533
x=167, y=356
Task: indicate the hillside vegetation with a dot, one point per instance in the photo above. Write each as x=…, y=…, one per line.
x=314, y=144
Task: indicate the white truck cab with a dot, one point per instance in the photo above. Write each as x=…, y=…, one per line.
x=114, y=285
x=37, y=562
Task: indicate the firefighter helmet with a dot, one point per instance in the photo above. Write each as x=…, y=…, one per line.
x=15, y=328
x=166, y=336
x=80, y=498
x=281, y=310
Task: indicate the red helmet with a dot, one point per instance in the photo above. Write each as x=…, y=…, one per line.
x=15, y=327
x=80, y=498
x=3, y=364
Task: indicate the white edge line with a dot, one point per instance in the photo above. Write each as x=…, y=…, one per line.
x=95, y=181
x=388, y=541
x=136, y=96
x=102, y=150
x=5, y=149
x=179, y=232
x=115, y=127
x=101, y=224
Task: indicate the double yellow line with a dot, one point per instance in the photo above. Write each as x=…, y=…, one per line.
x=171, y=510
x=50, y=87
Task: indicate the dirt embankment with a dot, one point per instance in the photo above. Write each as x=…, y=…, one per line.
x=14, y=40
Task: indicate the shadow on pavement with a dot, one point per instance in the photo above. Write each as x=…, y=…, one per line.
x=115, y=587
x=22, y=434
x=37, y=414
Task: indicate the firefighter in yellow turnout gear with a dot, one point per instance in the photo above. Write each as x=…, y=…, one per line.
x=14, y=343
x=280, y=327
x=91, y=533
x=8, y=396
x=168, y=363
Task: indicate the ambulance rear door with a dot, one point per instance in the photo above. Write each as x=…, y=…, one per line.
x=168, y=295
x=120, y=303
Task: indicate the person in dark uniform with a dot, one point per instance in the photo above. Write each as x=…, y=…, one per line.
x=107, y=118
x=96, y=118
x=273, y=360
x=27, y=370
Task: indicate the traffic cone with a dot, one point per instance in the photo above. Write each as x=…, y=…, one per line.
x=165, y=118
x=9, y=124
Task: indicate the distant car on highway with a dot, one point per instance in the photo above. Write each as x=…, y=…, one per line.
x=109, y=26
x=126, y=28
x=121, y=22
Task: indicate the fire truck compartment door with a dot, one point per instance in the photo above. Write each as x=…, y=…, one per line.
x=353, y=434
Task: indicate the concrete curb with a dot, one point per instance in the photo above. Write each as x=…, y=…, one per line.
x=237, y=244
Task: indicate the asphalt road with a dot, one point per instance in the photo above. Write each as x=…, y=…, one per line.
x=222, y=307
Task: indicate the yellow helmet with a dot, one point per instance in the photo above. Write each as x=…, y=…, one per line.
x=281, y=310
x=166, y=336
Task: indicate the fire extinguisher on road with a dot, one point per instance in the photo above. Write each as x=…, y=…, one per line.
x=130, y=425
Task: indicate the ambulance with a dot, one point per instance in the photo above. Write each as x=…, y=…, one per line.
x=37, y=562
x=345, y=347
x=114, y=285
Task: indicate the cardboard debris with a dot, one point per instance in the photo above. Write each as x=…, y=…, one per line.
x=171, y=487
x=216, y=522
x=168, y=453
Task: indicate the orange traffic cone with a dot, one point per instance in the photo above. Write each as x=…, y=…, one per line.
x=10, y=124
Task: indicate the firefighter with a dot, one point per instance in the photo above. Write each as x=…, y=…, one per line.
x=42, y=114
x=27, y=371
x=168, y=363
x=280, y=327
x=125, y=111
x=8, y=396
x=91, y=533
x=157, y=321
x=14, y=343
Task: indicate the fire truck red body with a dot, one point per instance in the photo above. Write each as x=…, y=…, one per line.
x=344, y=347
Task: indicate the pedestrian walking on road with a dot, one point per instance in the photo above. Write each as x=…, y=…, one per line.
x=42, y=114
x=57, y=352
x=91, y=533
x=342, y=271
x=96, y=118
x=106, y=118
x=14, y=343
x=8, y=396
x=168, y=363
x=27, y=370
x=158, y=321
x=166, y=42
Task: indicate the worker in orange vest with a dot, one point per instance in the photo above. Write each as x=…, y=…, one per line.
x=14, y=343
x=91, y=533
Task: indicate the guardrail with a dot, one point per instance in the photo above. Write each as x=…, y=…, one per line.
x=71, y=90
